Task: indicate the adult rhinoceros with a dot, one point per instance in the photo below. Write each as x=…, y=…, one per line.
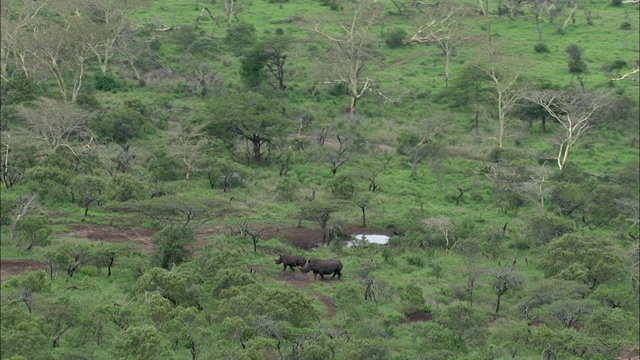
x=291, y=261
x=323, y=267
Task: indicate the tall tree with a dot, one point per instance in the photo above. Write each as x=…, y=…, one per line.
x=250, y=117
x=352, y=47
x=503, y=75
x=577, y=66
x=268, y=57
x=442, y=25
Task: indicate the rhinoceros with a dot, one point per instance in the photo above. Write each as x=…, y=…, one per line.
x=291, y=261
x=323, y=267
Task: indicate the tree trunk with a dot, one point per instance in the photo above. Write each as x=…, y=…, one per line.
x=364, y=219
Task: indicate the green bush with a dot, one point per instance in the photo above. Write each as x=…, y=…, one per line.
x=127, y=187
x=172, y=246
x=105, y=82
x=342, y=186
x=240, y=36
x=541, y=48
x=395, y=38
x=625, y=26
x=541, y=228
x=287, y=189
x=121, y=125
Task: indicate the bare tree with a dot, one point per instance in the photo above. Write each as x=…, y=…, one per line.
x=574, y=112
x=442, y=225
x=58, y=124
x=17, y=17
x=504, y=76
x=353, y=47
x=442, y=25
x=505, y=279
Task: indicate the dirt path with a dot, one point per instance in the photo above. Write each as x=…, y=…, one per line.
x=302, y=281
x=15, y=267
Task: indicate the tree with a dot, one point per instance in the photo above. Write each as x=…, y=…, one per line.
x=504, y=78
x=248, y=116
x=36, y=229
x=442, y=25
x=469, y=89
x=172, y=246
x=505, y=279
x=577, y=66
x=176, y=210
x=90, y=190
x=319, y=212
x=574, y=113
x=352, y=48
x=442, y=225
x=17, y=16
x=268, y=56
x=58, y=124
x=583, y=258
x=141, y=342
x=470, y=250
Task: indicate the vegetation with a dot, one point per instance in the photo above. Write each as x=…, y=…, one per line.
x=156, y=157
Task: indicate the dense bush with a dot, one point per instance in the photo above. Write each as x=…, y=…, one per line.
x=541, y=48
x=105, y=82
x=395, y=38
x=240, y=36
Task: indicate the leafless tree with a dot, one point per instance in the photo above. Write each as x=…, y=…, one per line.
x=17, y=17
x=442, y=225
x=442, y=25
x=352, y=47
x=58, y=124
x=574, y=112
x=503, y=75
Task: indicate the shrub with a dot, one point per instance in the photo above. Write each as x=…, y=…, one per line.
x=625, y=26
x=105, y=82
x=540, y=229
x=287, y=189
x=541, y=48
x=172, y=246
x=240, y=36
x=342, y=186
x=395, y=38
x=121, y=125
x=616, y=3
x=127, y=187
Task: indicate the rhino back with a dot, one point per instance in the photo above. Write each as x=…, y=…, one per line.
x=325, y=265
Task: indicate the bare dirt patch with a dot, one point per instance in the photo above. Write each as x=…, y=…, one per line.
x=631, y=354
x=112, y=234
x=15, y=267
x=419, y=316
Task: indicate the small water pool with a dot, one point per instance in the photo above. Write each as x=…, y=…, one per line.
x=370, y=238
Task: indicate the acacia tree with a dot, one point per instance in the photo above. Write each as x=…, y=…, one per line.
x=353, y=47
x=577, y=66
x=319, y=212
x=442, y=225
x=17, y=17
x=442, y=25
x=505, y=279
x=248, y=116
x=573, y=112
x=269, y=56
x=503, y=75
x=57, y=123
